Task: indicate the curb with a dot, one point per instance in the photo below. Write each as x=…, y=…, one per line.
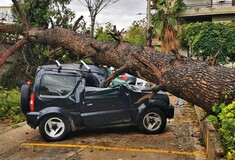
x=210, y=137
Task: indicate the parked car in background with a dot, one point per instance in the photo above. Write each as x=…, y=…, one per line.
x=68, y=97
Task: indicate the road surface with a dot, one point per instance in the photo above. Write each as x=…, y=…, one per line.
x=180, y=141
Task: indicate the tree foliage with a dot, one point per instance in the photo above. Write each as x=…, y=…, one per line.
x=206, y=39
x=166, y=20
x=137, y=32
x=103, y=33
x=39, y=12
x=224, y=121
x=9, y=105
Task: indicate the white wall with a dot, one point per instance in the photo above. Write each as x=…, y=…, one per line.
x=5, y=14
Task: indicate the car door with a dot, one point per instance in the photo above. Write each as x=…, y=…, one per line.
x=105, y=106
x=53, y=91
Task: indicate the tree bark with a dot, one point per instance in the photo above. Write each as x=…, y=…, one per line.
x=194, y=81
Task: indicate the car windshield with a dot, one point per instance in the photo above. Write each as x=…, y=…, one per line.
x=57, y=85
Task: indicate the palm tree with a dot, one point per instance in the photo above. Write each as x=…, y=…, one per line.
x=165, y=22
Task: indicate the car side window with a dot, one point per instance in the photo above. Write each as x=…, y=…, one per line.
x=56, y=85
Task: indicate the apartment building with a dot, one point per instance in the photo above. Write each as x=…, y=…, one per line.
x=209, y=10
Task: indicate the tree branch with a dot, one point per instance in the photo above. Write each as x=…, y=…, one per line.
x=75, y=26
x=150, y=95
x=28, y=65
x=11, y=50
x=116, y=34
x=149, y=37
x=177, y=54
x=119, y=71
x=55, y=50
x=213, y=61
x=22, y=15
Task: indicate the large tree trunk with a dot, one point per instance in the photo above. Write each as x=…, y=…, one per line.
x=196, y=82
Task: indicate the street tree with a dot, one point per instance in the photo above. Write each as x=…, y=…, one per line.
x=95, y=7
x=40, y=12
x=198, y=82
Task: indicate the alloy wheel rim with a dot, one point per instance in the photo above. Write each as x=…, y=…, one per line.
x=152, y=121
x=54, y=127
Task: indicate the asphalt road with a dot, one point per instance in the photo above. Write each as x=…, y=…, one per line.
x=180, y=141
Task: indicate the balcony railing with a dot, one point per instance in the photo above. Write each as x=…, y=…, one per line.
x=208, y=5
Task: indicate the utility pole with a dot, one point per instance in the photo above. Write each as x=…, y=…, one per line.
x=149, y=27
x=148, y=13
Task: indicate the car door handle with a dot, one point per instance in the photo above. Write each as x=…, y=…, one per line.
x=89, y=104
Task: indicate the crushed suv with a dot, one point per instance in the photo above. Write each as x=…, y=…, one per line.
x=68, y=97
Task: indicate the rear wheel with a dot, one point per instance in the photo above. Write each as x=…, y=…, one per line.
x=24, y=98
x=152, y=121
x=54, y=127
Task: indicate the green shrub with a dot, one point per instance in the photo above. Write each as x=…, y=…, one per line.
x=208, y=38
x=225, y=124
x=10, y=105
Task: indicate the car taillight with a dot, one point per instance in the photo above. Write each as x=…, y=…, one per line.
x=31, y=103
x=124, y=77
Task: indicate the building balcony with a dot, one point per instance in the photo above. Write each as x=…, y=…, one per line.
x=221, y=7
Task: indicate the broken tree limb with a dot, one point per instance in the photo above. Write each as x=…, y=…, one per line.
x=117, y=35
x=150, y=95
x=53, y=51
x=76, y=24
x=214, y=60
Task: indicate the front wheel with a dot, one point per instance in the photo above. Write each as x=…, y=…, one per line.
x=54, y=128
x=152, y=121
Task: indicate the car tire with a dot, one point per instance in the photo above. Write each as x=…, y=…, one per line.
x=54, y=127
x=152, y=121
x=24, y=98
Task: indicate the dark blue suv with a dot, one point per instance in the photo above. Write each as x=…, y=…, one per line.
x=64, y=98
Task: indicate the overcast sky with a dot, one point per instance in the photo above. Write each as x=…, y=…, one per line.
x=122, y=13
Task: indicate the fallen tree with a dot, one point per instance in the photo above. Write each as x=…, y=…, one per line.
x=200, y=83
